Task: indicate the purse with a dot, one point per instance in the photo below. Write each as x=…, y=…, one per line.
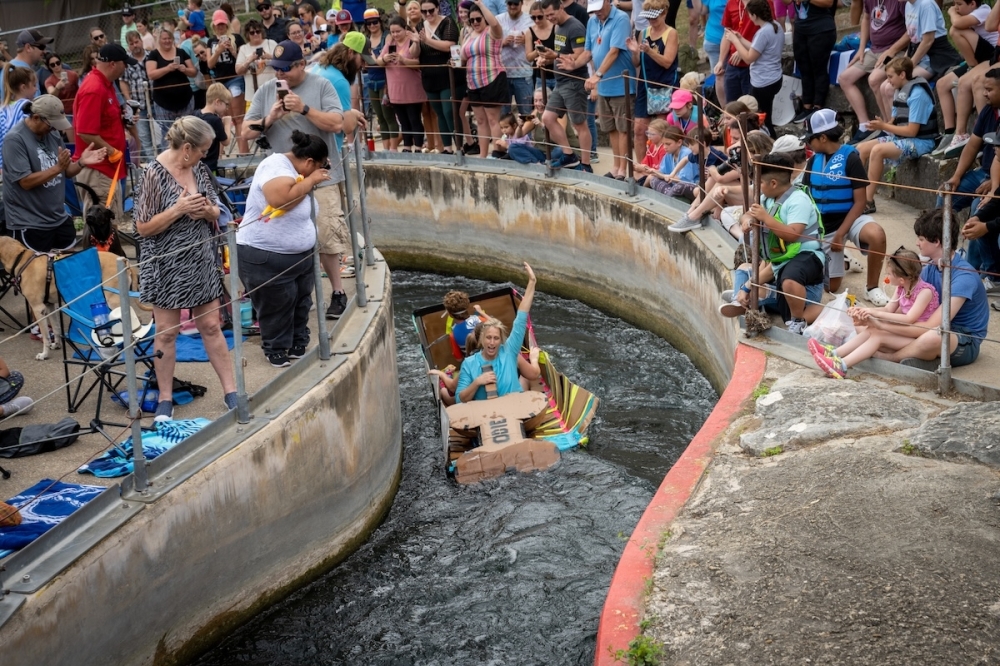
x=657, y=97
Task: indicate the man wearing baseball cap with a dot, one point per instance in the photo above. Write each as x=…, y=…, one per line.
x=311, y=105
x=274, y=26
x=30, y=53
x=97, y=120
x=34, y=165
x=836, y=178
x=128, y=23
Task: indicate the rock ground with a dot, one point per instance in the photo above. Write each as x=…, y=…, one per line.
x=853, y=546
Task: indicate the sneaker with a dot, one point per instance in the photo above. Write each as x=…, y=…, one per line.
x=990, y=284
x=278, y=359
x=727, y=296
x=567, y=161
x=164, y=411
x=863, y=135
x=801, y=116
x=869, y=208
x=943, y=144
x=796, y=326
x=820, y=351
x=956, y=146
x=347, y=271
x=732, y=310
x=35, y=333
x=877, y=297
x=297, y=352
x=230, y=400
x=853, y=265
x=595, y=158
x=684, y=224
x=832, y=365
x=586, y=167
x=338, y=303
x=17, y=406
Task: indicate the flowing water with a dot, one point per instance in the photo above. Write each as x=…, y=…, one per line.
x=514, y=570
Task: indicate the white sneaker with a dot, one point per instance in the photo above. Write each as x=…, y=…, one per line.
x=684, y=224
x=20, y=405
x=877, y=297
x=955, y=148
x=990, y=284
x=796, y=326
x=727, y=296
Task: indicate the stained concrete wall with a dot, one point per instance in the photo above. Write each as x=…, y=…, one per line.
x=584, y=240
x=272, y=513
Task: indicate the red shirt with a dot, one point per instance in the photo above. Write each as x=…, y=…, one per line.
x=97, y=111
x=735, y=17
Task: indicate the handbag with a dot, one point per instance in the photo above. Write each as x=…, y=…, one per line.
x=657, y=97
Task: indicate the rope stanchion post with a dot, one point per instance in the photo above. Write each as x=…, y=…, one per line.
x=629, y=164
x=369, y=255
x=323, y=337
x=242, y=400
x=132, y=382
x=755, y=236
x=702, y=141
x=944, y=371
x=352, y=229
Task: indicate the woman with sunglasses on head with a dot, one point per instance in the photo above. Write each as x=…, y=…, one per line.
x=276, y=265
x=401, y=58
x=437, y=37
x=375, y=87
x=63, y=83
x=254, y=57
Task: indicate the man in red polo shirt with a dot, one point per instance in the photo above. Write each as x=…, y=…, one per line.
x=730, y=65
x=97, y=120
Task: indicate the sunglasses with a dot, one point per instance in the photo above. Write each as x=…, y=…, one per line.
x=537, y=17
x=261, y=8
x=304, y=14
x=284, y=69
x=427, y=12
x=255, y=32
x=373, y=22
x=476, y=19
x=96, y=37
x=54, y=63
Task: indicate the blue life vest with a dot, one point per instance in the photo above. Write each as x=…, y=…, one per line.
x=828, y=183
x=928, y=130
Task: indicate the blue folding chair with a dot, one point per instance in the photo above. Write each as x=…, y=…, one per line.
x=78, y=280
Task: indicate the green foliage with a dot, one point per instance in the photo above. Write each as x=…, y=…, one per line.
x=642, y=651
x=760, y=391
x=773, y=451
x=908, y=449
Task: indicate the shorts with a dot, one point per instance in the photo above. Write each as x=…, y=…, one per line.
x=868, y=61
x=712, y=50
x=783, y=9
x=967, y=350
x=910, y=149
x=235, y=86
x=611, y=114
x=46, y=240
x=806, y=269
x=984, y=50
x=674, y=189
x=331, y=227
x=730, y=217
x=495, y=93
x=569, y=95
x=835, y=260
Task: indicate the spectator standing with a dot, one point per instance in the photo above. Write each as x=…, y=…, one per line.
x=218, y=99
x=224, y=48
x=197, y=49
x=437, y=35
x=176, y=215
x=608, y=32
x=148, y=40
x=234, y=22
x=977, y=181
x=135, y=87
x=542, y=33
x=577, y=11
x=764, y=56
x=31, y=46
x=883, y=28
x=312, y=107
x=168, y=69
x=34, y=166
x=569, y=96
x=735, y=70
x=812, y=41
x=63, y=83
x=89, y=57
x=98, y=38
x=274, y=25
x=20, y=87
x=254, y=57
x=375, y=85
x=714, y=31
x=128, y=24
x=97, y=118
x=654, y=55
x=403, y=85
x=487, y=79
x=340, y=66
x=516, y=25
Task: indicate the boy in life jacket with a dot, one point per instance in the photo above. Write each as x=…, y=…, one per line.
x=837, y=181
x=461, y=321
x=911, y=133
x=792, y=257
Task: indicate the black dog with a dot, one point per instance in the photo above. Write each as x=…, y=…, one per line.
x=101, y=232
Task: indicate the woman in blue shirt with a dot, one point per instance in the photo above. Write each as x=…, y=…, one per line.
x=499, y=352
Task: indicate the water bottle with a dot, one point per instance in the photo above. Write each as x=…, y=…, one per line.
x=101, y=314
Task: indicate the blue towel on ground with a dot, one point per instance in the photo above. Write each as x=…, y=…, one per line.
x=191, y=348
x=167, y=435
x=41, y=515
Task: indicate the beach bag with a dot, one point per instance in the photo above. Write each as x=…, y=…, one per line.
x=833, y=326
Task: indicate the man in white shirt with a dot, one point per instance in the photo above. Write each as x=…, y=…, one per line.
x=515, y=24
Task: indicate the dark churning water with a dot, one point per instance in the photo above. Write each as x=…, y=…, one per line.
x=511, y=571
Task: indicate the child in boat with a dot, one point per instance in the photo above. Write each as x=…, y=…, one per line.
x=914, y=302
x=462, y=320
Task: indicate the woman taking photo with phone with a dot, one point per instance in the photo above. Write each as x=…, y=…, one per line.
x=254, y=58
x=654, y=54
x=224, y=49
x=401, y=58
x=375, y=85
x=168, y=69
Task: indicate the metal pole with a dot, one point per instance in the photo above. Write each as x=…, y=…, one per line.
x=363, y=203
x=456, y=108
x=352, y=216
x=755, y=235
x=702, y=142
x=630, y=149
x=324, y=337
x=749, y=238
x=944, y=371
x=549, y=171
x=134, y=413
x=242, y=400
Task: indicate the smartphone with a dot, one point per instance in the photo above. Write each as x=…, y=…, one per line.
x=307, y=48
x=392, y=48
x=282, y=88
x=260, y=52
x=63, y=76
x=177, y=60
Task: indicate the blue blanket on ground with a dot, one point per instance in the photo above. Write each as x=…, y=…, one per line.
x=38, y=516
x=166, y=436
x=191, y=348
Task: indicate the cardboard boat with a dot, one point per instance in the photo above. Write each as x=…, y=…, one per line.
x=519, y=432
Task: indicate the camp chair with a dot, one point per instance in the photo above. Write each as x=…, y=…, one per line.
x=78, y=280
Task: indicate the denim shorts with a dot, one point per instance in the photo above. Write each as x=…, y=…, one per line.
x=235, y=86
x=967, y=350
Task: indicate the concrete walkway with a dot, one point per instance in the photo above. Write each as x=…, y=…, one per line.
x=848, y=522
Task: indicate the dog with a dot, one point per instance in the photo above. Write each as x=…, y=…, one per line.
x=101, y=232
x=33, y=271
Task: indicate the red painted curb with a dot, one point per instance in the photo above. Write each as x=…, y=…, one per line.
x=624, y=604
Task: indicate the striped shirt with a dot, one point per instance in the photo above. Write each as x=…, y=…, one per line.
x=10, y=116
x=482, y=53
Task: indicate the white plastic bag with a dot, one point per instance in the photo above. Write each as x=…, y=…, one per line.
x=833, y=326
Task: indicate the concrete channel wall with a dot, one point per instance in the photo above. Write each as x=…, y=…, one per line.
x=586, y=240
x=247, y=515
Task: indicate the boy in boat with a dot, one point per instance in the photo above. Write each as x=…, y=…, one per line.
x=461, y=321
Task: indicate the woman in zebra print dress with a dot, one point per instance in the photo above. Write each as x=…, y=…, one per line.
x=176, y=215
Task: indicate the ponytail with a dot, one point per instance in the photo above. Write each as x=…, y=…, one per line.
x=13, y=79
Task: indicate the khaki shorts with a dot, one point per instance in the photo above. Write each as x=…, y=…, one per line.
x=868, y=62
x=611, y=114
x=331, y=228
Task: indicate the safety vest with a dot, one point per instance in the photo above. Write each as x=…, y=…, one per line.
x=928, y=130
x=778, y=251
x=826, y=178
